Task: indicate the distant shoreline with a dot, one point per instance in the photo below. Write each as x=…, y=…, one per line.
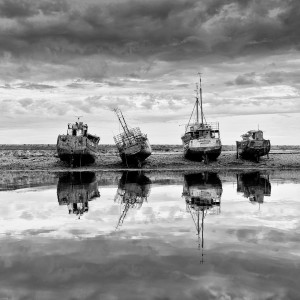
x=43, y=157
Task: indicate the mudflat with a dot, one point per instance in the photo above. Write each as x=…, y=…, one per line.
x=164, y=157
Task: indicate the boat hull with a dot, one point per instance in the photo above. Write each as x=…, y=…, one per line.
x=135, y=154
x=197, y=150
x=253, y=149
x=76, y=150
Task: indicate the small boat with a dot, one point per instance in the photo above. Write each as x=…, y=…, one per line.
x=253, y=145
x=77, y=147
x=133, y=145
x=76, y=189
x=201, y=140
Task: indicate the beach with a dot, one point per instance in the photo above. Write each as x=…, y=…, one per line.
x=164, y=157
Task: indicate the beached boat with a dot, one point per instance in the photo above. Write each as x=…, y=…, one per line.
x=253, y=145
x=76, y=189
x=201, y=140
x=202, y=193
x=77, y=147
x=133, y=145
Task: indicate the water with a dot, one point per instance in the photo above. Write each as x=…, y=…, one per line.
x=156, y=235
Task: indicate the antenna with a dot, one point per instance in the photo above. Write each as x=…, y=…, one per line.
x=197, y=102
x=201, y=97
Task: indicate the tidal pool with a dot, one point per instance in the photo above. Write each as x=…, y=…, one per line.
x=151, y=235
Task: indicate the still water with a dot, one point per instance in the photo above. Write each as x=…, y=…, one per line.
x=156, y=235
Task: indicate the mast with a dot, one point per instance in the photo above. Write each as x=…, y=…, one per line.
x=197, y=103
x=201, y=108
x=122, y=120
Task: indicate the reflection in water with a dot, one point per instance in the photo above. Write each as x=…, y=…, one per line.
x=46, y=254
x=254, y=185
x=75, y=189
x=202, y=192
x=133, y=189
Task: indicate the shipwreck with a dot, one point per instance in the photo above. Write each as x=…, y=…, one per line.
x=78, y=146
x=201, y=140
x=253, y=145
x=132, y=144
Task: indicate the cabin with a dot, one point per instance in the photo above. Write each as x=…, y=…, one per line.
x=77, y=129
x=208, y=130
x=255, y=135
x=80, y=129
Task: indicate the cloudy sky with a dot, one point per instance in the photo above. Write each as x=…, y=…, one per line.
x=64, y=58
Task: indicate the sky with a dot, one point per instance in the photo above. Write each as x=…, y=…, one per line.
x=65, y=58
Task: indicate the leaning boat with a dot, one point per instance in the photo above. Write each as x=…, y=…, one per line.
x=77, y=147
x=201, y=140
x=133, y=145
x=253, y=145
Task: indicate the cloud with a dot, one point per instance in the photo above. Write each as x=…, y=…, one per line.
x=143, y=29
x=145, y=56
x=17, y=9
x=36, y=86
x=245, y=79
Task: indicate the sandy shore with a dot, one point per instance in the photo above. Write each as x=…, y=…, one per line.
x=163, y=158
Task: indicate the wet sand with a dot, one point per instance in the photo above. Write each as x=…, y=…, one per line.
x=164, y=157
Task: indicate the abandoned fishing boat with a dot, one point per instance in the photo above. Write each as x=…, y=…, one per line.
x=76, y=189
x=77, y=147
x=253, y=145
x=201, y=140
x=132, y=144
x=202, y=193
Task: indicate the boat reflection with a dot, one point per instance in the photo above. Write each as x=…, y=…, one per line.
x=133, y=189
x=254, y=186
x=202, y=192
x=76, y=189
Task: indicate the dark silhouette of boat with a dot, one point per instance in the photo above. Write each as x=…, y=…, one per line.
x=253, y=145
x=76, y=189
x=77, y=147
x=202, y=193
x=132, y=144
x=254, y=186
x=133, y=190
x=201, y=140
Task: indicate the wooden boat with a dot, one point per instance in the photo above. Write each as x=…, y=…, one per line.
x=133, y=190
x=77, y=147
x=132, y=144
x=253, y=145
x=201, y=140
x=76, y=189
x=202, y=192
x=254, y=186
